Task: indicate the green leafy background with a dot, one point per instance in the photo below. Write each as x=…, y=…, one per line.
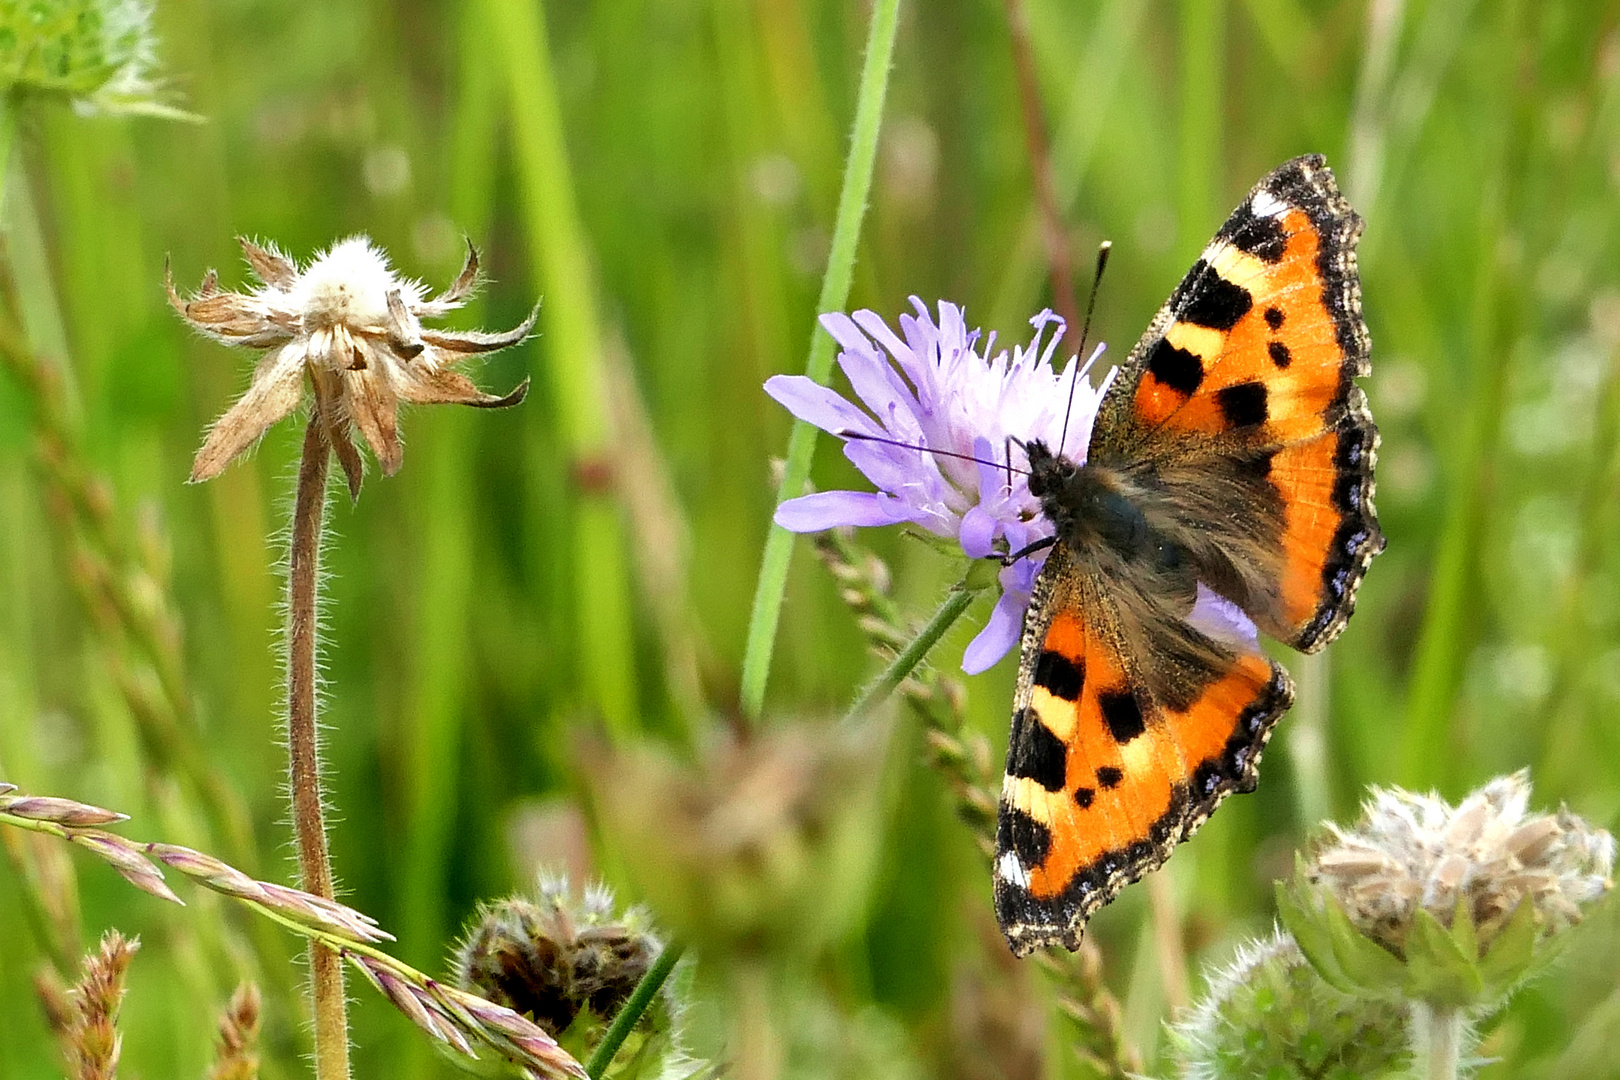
x=489, y=603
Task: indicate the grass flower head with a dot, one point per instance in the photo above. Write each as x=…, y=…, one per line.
x=943, y=387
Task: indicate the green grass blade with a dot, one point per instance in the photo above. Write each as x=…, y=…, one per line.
x=767, y=609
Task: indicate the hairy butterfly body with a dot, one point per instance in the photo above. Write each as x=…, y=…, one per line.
x=1230, y=470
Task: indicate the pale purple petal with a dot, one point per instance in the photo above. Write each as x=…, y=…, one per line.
x=876, y=383
x=1217, y=617
x=904, y=473
x=999, y=635
x=816, y=404
x=978, y=533
x=843, y=330
x=873, y=324
x=831, y=509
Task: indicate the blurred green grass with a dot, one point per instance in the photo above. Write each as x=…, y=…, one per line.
x=477, y=596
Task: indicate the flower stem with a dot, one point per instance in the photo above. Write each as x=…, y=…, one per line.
x=951, y=610
x=773, y=569
x=303, y=745
x=1438, y=1035
x=640, y=999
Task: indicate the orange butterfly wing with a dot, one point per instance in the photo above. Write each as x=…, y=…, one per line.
x=1103, y=779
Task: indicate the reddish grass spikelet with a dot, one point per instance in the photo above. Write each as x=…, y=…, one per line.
x=237, y=1055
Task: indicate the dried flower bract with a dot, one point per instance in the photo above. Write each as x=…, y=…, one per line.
x=354, y=327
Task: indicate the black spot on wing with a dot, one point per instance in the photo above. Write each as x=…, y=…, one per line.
x=1021, y=834
x=1122, y=715
x=1035, y=753
x=1280, y=354
x=1060, y=676
x=1178, y=369
x=1208, y=299
x=1274, y=318
x=1083, y=797
x=1262, y=237
x=1243, y=404
x=1109, y=777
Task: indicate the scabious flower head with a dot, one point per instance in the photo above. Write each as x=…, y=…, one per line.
x=354, y=326
x=1488, y=854
x=942, y=387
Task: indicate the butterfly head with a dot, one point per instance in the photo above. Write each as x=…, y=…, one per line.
x=1049, y=473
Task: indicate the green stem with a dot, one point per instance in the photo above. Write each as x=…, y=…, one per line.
x=773, y=569
x=8, y=136
x=640, y=999
x=951, y=610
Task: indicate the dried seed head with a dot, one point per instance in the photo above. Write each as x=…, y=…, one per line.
x=557, y=955
x=1487, y=855
x=354, y=327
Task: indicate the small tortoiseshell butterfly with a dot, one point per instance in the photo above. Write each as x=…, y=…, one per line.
x=1231, y=464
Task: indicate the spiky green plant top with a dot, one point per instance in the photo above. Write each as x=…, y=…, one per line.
x=1268, y=1014
x=100, y=55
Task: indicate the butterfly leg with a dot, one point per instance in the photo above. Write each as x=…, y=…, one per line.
x=1028, y=550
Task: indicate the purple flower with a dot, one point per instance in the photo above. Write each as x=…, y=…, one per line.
x=938, y=389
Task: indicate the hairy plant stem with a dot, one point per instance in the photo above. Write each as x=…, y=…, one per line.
x=303, y=745
x=955, y=603
x=641, y=998
x=1438, y=1032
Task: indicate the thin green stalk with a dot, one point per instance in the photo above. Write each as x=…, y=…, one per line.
x=8, y=136
x=912, y=655
x=773, y=572
x=641, y=998
x=572, y=343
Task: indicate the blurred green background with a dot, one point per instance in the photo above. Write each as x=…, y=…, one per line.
x=588, y=559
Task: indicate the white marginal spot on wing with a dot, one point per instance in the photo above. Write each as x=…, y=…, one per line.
x=1010, y=870
x=1265, y=204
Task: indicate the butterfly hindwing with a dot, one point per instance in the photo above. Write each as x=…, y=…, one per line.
x=1104, y=774
x=1241, y=393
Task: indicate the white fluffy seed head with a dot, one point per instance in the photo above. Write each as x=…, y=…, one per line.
x=349, y=284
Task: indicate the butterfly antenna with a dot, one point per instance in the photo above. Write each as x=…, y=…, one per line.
x=1085, y=331
x=847, y=434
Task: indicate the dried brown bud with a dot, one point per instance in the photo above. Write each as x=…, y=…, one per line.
x=354, y=326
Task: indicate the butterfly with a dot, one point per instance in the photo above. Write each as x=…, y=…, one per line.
x=1230, y=469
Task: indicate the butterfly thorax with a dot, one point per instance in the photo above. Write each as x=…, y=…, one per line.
x=1107, y=518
